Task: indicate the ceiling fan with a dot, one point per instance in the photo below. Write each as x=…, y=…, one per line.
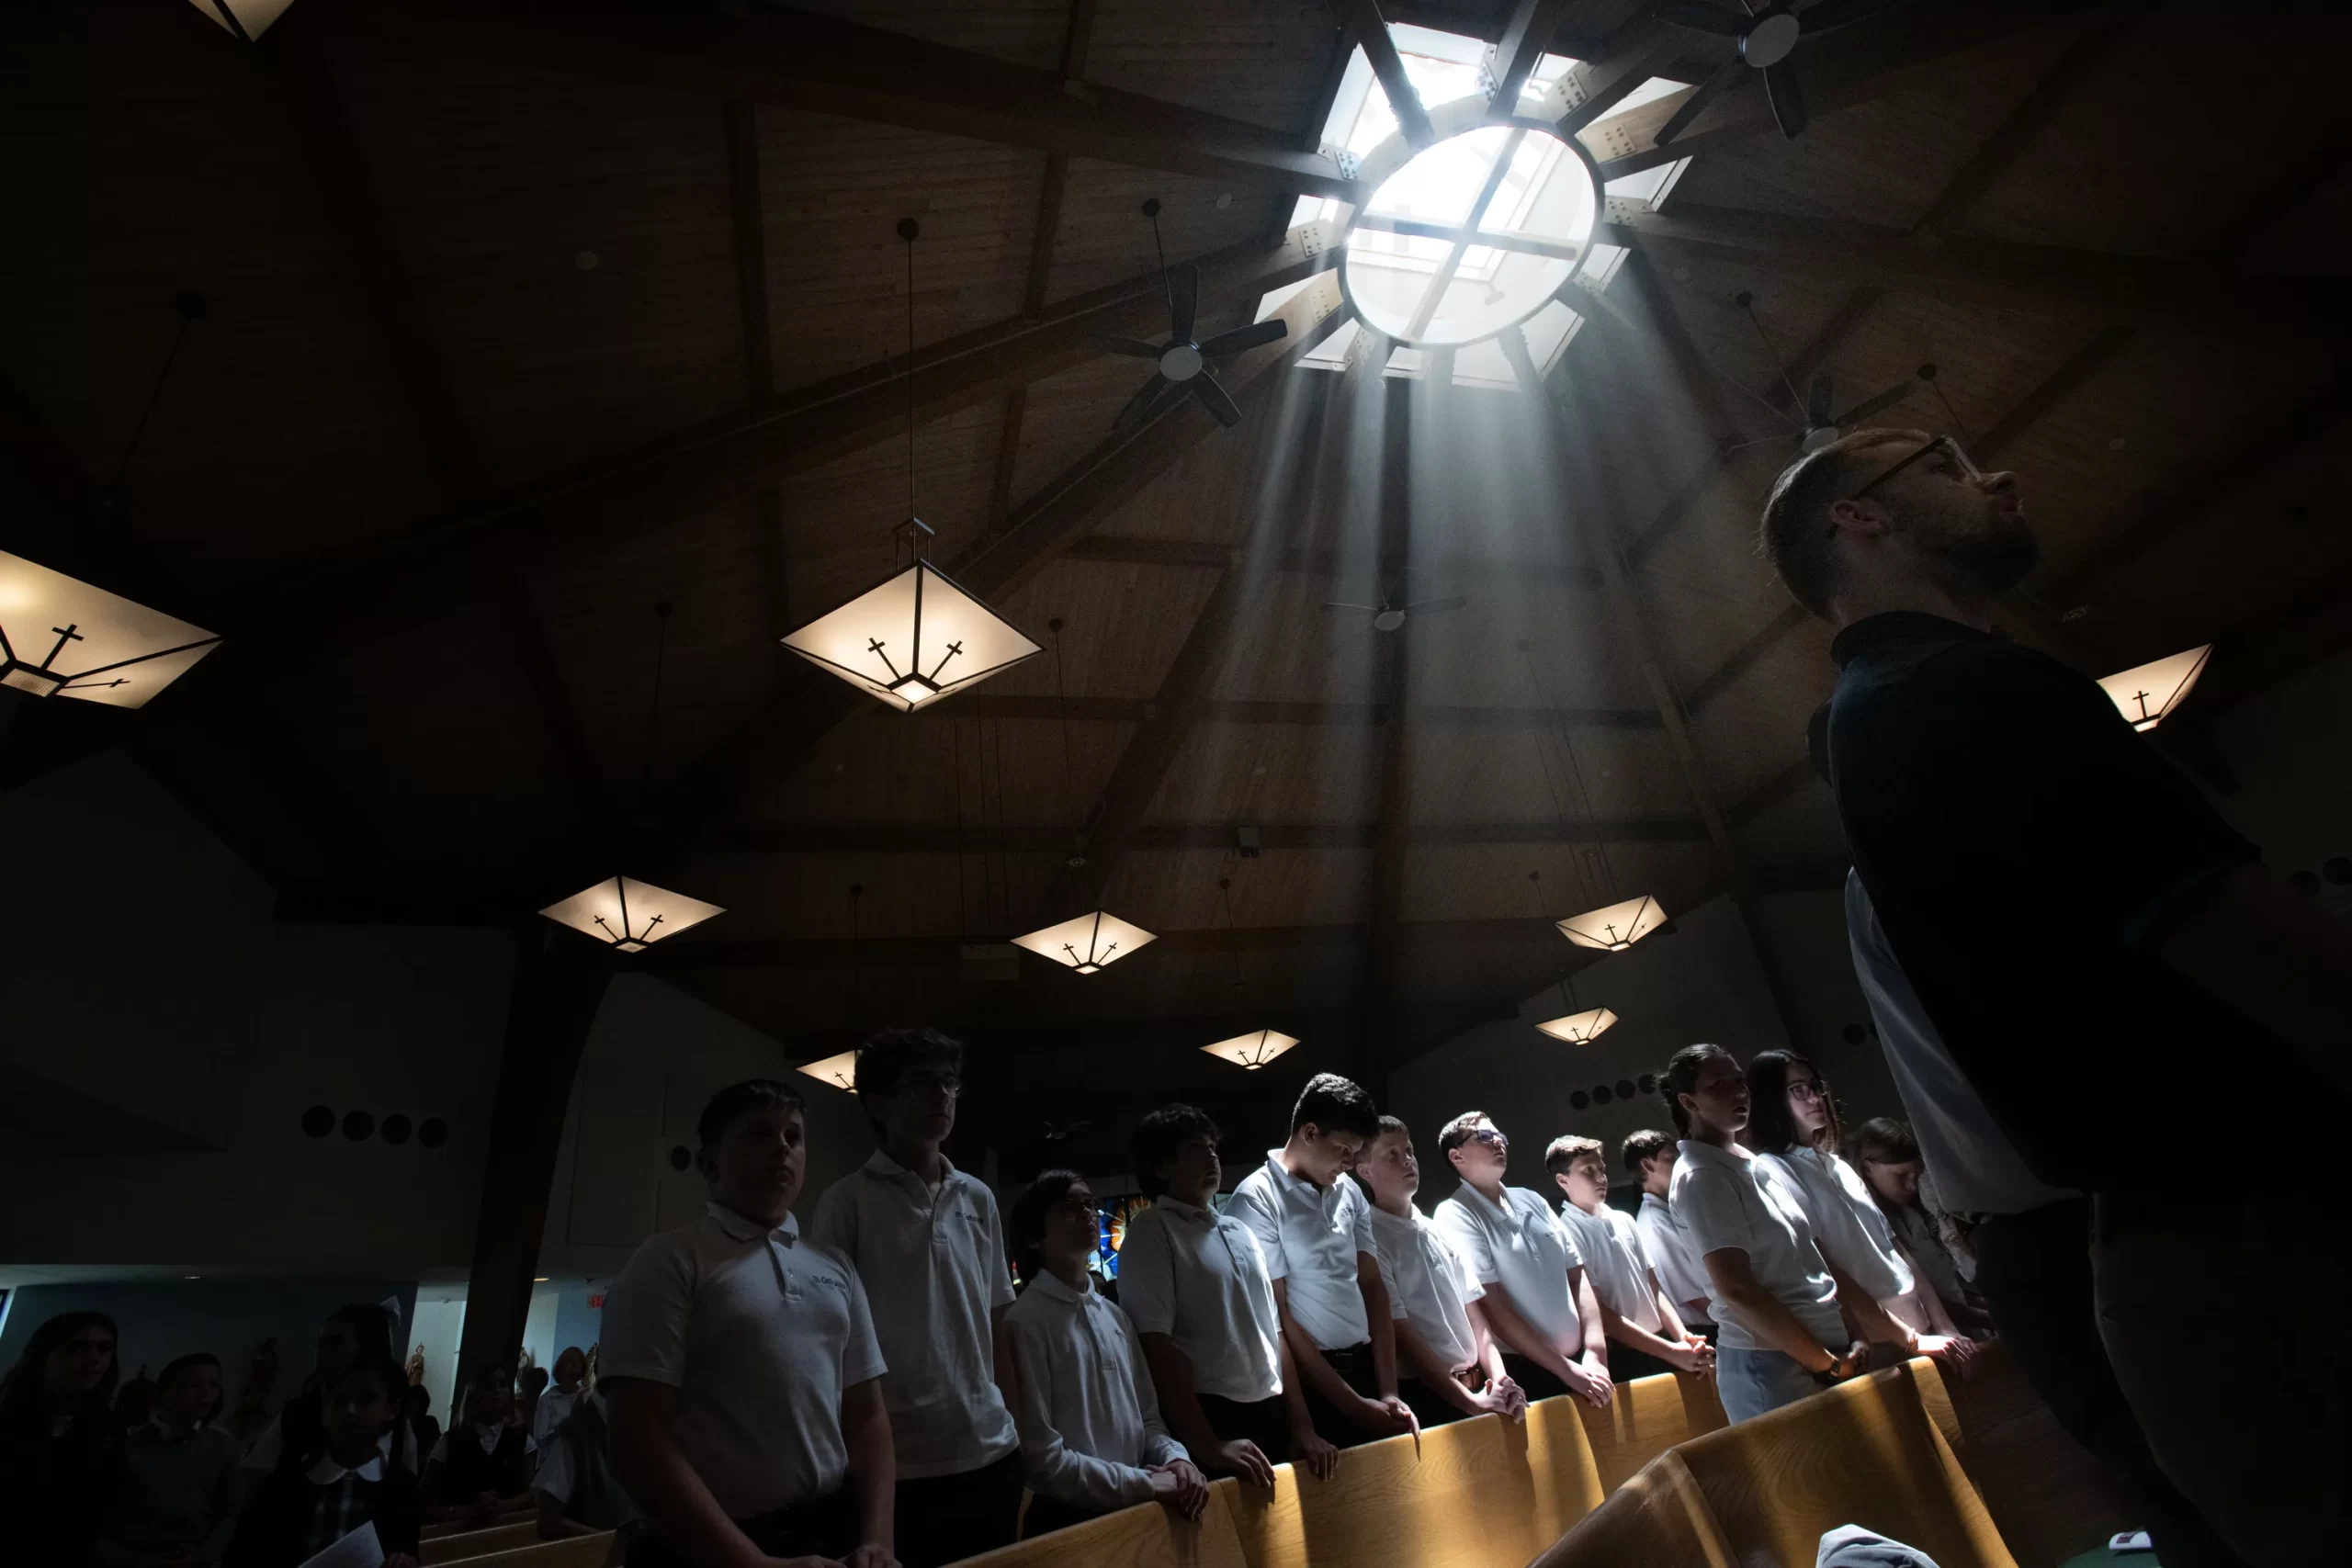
x=1767, y=36
x=1184, y=362
x=1387, y=617
x=1821, y=425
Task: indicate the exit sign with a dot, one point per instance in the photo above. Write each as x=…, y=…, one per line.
x=595, y=1303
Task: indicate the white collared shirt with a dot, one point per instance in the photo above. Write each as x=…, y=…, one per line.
x=1311, y=1237
x=324, y=1471
x=1615, y=1263
x=1429, y=1284
x=553, y=1406
x=1200, y=1278
x=1669, y=1253
x=936, y=1267
x=759, y=1331
x=1520, y=1247
x=1090, y=1421
x=1845, y=1221
x=1729, y=1199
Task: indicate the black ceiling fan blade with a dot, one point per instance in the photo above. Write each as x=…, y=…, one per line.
x=1131, y=347
x=1183, y=300
x=1701, y=96
x=1701, y=17
x=1234, y=342
x=1136, y=409
x=1432, y=606
x=1787, y=99
x=1877, y=405
x=1337, y=604
x=1816, y=403
x=1217, y=400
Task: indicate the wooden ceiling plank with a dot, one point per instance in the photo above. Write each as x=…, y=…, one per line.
x=789, y=58
x=806, y=838
x=2022, y=128
x=1642, y=48
x=747, y=210
x=1135, y=710
x=1746, y=656
x=1376, y=1040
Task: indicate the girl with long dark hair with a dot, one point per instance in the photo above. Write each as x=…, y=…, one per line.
x=60, y=1447
x=1778, y=1327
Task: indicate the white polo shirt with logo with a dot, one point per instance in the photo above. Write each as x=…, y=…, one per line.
x=1311, y=1236
x=1429, y=1284
x=1615, y=1262
x=935, y=1267
x=1521, y=1245
x=759, y=1331
x=1200, y=1278
x=1728, y=1199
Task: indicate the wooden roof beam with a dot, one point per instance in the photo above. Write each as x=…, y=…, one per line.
x=894, y=838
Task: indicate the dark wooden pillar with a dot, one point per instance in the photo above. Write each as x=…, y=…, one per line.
x=560, y=981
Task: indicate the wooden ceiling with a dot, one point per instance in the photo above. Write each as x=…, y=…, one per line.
x=523, y=316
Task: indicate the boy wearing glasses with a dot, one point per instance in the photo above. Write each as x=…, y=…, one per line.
x=1645, y=1334
x=1538, y=1301
x=930, y=1248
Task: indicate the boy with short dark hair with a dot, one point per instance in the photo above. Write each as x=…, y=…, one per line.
x=1649, y=1156
x=1645, y=1335
x=747, y=1419
x=1195, y=1284
x=1537, y=1301
x=930, y=1246
x=183, y=1489
x=1442, y=1345
x=1316, y=1231
x=313, y=1502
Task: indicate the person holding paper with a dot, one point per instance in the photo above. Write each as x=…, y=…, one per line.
x=310, y=1505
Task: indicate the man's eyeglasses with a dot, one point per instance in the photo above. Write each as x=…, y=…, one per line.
x=1942, y=449
x=1490, y=1136
x=1810, y=1089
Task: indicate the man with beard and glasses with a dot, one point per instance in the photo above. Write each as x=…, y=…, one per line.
x=2076, y=921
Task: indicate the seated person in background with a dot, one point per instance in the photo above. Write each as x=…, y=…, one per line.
x=745, y=1383
x=60, y=1452
x=1892, y=1173
x=1793, y=1123
x=1645, y=1334
x=1448, y=1366
x=351, y=1335
x=556, y=1404
x=421, y=1419
x=530, y=1386
x=483, y=1463
x=1315, y=1228
x=575, y=1487
x=181, y=1506
x=134, y=1401
x=1194, y=1283
x=1537, y=1301
x=1092, y=1439
x=1777, y=1317
x=1648, y=1155
x=309, y=1503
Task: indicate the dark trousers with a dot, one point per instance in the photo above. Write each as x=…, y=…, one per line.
x=2265, y=1463
x=1265, y=1422
x=1428, y=1405
x=2035, y=1272
x=942, y=1518
x=1538, y=1382
x=826, y=1528
x=1333, y=1425
x=1625, y=1363
x=1047, y=1514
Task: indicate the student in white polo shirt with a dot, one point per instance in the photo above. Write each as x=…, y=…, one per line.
x=1315, y=1227
x=740, y=1363
x=1645, y=1334
x=1448, y=1366
x=1091, y=1439
x=928, y=1242
x=1196, y=1285
x=1648, y=1157
x=1778, y=1332
x=1537, y=1301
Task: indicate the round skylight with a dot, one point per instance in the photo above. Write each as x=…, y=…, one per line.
x=1470, y=235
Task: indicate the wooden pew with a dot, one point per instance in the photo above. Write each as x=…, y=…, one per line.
x=579, y=1551
x=459, y=1545
x=1657, y=1520
x=1871, y=1451
x=1558, y=1451
x=1648, y=1416
x=1145, y=1536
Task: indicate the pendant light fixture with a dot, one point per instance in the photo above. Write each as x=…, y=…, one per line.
x=1259, y=1046
x=917, y=635
x=1091, y=941
x=245, y=20
x=2146, y=694
x=626, y=914
x=1578, y=1026
x=841, y=1069
x=1618, y=926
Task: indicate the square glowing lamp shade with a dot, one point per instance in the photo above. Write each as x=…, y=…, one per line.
x=1616, y=928
x=1252, y=1050
x=628, y=915
x=839, y=1071
x=1086, y=943
x=2146, y=694
x=60, y=637
x=1580, y=1028
x=913, y=640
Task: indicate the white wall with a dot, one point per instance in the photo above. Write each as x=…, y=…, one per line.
x=159, y=986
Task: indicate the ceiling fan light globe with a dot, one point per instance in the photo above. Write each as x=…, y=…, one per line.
x=1770, y=41
x=1179, y=362
x=1388, y=621
x=1818, y=436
